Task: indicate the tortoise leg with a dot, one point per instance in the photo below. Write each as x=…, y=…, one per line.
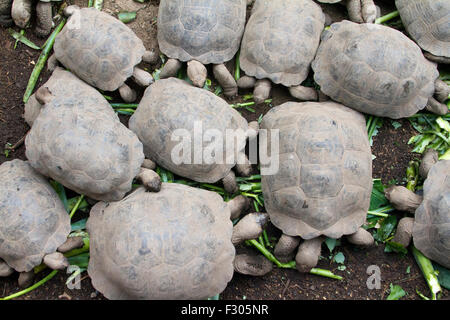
x=253, y=129
x=285, y=248
x=430, y=157
x=437, y=59
x=243, y=166
x=197, y=73
x=148, y=164
x=44, y=18
x=436, y=107
x=246, y=82
x=150, y=57
x=403, y=234
x=226, y=80
x=362, y=11
x=252, y=265
x=142, y=77
x=361, y=237
x=43, y=95
x=5, y=269
x=127, y=94
x=150, y=179
x=170, y=69
x=262, y=90
x=70, y=244
x=70, y=10
x=308, y=254
x=21, y=12
x=56, y=261
x=229, y=182
x=403, y=199
x=249, y=227
x=237, y=205
x=26, y=279
x=52, y=63
x=303, y=93
x=441, y=90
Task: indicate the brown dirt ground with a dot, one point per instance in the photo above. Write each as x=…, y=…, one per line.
x=390, y=148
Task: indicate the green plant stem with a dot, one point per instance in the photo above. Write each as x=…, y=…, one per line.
x=237, y=69
x=98, y=4
x=41, y=62
x=387, y=17
x=124, y=105
x=428, y=271
x=29, y=289
x=291, y=264
x=77, y=205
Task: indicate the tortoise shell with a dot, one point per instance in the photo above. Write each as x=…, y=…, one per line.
x=98, y=48
x=431, y=231
x=428, y=23
x=207, y=31
x=374, y=69
x=79, y=141
x=324, y=181
x=172, y=108
x=174, y=244
x=281, y=39
x=33, y=221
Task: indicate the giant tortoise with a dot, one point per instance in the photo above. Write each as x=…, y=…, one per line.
x=280, y=41
x=192, y=132
x=174, y=244
x=377, y=70
x=78, y=140
x=428, y=23
x=324, y=180
x=201, y=32
x=102, y=51
x=33, y=222
x=430, y=228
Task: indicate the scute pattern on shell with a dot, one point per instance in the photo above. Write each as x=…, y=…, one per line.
x=374, y=69
x=428, y=23
x=170, y=105
x=98, y=48
x=174, y=244
x=78, y=140
x=324, y=181
x=207, y=31
x=431, y=232
x=281, y=39
x=33, y=221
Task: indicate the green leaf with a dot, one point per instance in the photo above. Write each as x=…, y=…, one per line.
x=408, y=270
x=339, y=258
x=59, y=188
x=443, y=275
x=396, y=292
x=79, y=225
x=81, y=260
x=392, y=246
x=331, y=244
x=387, y=226
x=377, y=198
x=20, y=37
x=126, y=17
x=396, y=124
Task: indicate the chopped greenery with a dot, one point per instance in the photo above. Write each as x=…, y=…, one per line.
x=396, y=292
x=126, y=17
x=434, y=132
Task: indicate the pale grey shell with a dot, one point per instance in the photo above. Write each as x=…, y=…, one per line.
x=374, y=69
x=33, y=221
x=78, y=140
x=281, y=39
x=324, y=181
x=431, y=232
x=428, y=23
x=98, y=48
x=174, y=244
x=170, y=105
x=206, y=31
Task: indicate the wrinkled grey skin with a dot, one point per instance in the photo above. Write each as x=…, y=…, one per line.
x=174, y=244
x=33, y=221
x=5, y=13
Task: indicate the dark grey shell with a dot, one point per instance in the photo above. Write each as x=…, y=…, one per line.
x=324, y=181
x=281, y=39
x=79, y=141
x=174, y=244
x=98, y=48
x=172, y=105
x=33, y=221
x=431, y=232
x=206, y=31
x=428, y=23
x=374, y=69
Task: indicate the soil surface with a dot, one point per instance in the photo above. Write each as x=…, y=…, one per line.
x=390, y=148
